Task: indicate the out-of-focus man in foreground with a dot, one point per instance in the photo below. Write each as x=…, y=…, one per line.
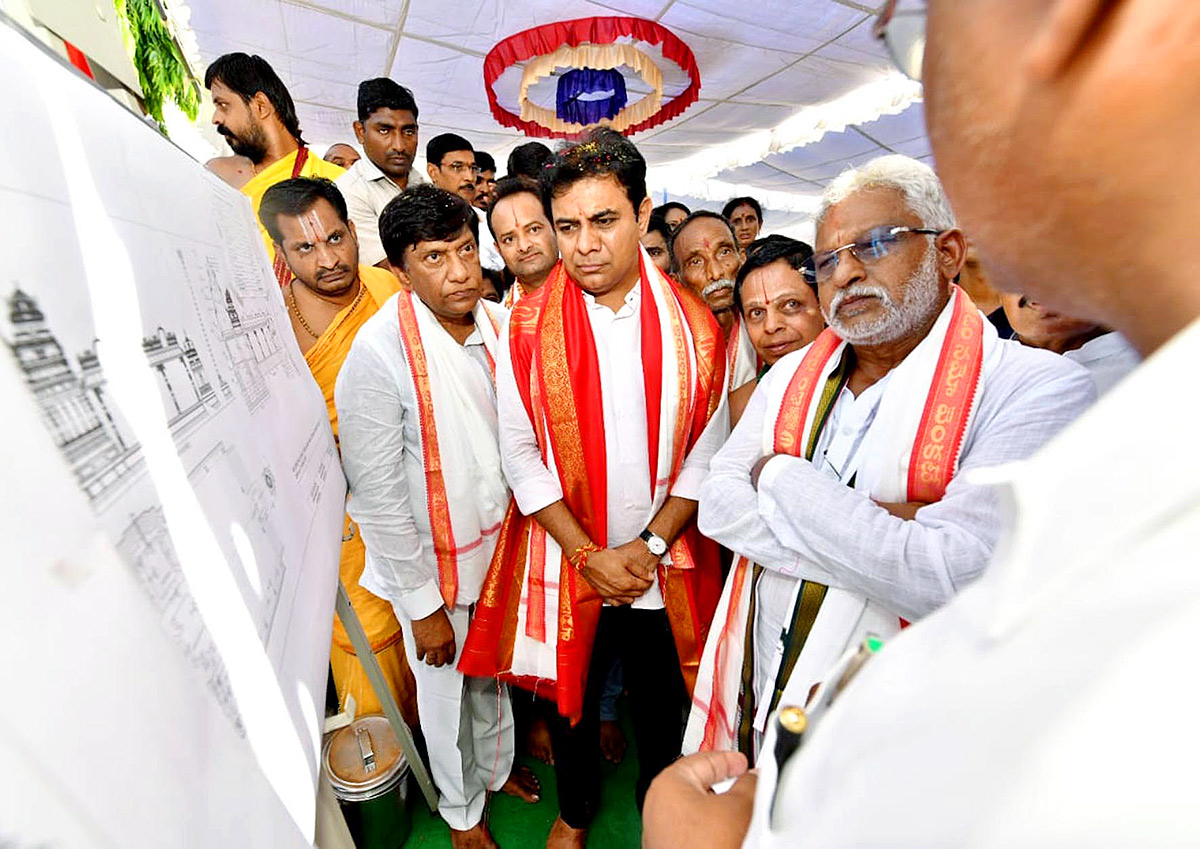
x=991, y=723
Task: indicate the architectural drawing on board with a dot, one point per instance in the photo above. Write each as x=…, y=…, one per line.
x=254, y=347
x=146, y=546
x=72, y=403
x=235, y=312
x=257, y=516
x=100, y=451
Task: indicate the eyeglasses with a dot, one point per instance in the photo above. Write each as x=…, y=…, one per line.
x=868, y=249
x=461, y=168
x=902, y=30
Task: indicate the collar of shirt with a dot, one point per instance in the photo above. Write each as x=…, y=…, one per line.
x=844, y=433
x=1094, y=350
x=371, y=173
x=633, y=300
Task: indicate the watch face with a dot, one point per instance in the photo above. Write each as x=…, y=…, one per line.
x=657, y=546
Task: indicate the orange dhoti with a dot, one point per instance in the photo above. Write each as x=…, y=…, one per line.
x=383, y=632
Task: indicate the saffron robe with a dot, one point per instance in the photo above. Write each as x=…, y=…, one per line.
x=325, y=360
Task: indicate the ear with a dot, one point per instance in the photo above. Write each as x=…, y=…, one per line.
x=952, y=252
x=353, y=232
x=404, y=279
x=358, y=131
x=431, y=170
x=1064, y=34
x=643, y=215
x=261, y=106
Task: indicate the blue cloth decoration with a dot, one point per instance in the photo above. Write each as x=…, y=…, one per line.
x=586, y=95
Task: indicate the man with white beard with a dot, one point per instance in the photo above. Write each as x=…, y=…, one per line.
x=841, y=487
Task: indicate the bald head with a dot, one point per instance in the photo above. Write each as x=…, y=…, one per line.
x=1063, y=150
x=342, y=154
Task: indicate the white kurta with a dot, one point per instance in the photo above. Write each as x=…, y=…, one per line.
x=1053, y=702
x=630, y=503
x=467, y=721
x=489, y=254
x=805, y=521
x=802, y=522
x=1107, y=358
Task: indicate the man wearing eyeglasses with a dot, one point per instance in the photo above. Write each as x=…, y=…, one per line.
x=450, y=163
x=1053, y=702
x=840, y=487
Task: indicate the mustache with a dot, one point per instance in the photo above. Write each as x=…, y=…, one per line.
x=333, y=272
x=715, y=286
x=859, y=290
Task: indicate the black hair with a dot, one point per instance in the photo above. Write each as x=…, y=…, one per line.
x=762, y=252
x=485, y=161
x=498, y=278
x=672, y=204
x=698, y=214
x=601, y=152
x=384, y=93
x=296, y=197
x=658, y=224
x=529, y=160
x=423, y=213
x=247, y=76
x=508, y=186
x=728, y=209
x=439, y=146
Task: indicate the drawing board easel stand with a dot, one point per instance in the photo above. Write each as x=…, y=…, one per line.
x=362, y=648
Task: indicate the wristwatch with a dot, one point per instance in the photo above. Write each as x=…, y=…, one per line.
x=656, y=544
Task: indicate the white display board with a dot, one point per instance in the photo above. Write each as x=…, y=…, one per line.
x=171, y=502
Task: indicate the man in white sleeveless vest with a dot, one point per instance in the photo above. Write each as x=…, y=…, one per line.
x=840, y=487
x=416, y=401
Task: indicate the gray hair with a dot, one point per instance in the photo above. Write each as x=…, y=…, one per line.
x=915, y=180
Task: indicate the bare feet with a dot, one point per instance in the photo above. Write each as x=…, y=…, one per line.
x=539, y=741
x=473, y=838
x=523, y=784
x=612, y=741
x=562, y=836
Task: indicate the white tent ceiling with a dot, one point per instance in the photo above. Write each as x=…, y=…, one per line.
x=760, y=64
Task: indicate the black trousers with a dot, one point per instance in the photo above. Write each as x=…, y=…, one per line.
x=658, y=701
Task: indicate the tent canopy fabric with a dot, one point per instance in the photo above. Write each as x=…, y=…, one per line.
x=767, y=71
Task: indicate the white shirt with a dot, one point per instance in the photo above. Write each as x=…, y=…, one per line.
x=1053, y=703
x=1107, y=358
x=380, y=429
x=489, y=254
x=622, y=387
x=367, y=191
x=804, y=523
x=837, y=456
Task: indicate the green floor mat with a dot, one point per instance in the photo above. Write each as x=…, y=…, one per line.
x=517, y=825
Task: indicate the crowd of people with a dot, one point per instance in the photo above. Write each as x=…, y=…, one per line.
x=598, y=448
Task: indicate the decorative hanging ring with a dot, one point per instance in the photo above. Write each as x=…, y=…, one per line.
x=589, y=44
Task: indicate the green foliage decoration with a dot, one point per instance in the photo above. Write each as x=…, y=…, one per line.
x=162, y=72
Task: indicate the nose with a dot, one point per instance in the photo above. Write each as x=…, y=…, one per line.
x=849, y=270
x=457, y=268
x=326, y=256
x=713, y=270
x=588, y=242
x=772, y=323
